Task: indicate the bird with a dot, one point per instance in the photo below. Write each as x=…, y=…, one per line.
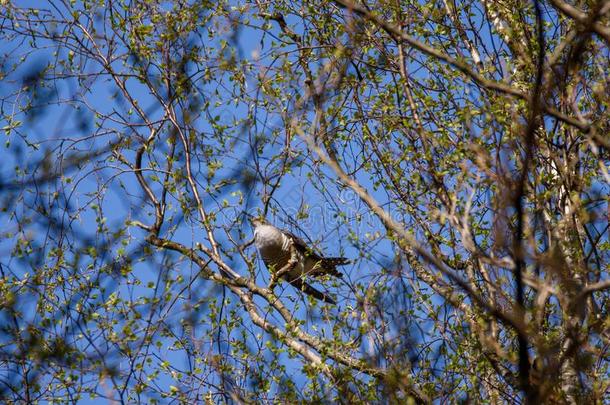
x=275, y=247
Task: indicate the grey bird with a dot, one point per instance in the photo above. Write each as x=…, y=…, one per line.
x=275, y=245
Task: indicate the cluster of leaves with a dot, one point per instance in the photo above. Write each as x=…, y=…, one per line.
x=457, y=151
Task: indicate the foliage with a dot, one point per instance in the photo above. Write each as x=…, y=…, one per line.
x=456, y=151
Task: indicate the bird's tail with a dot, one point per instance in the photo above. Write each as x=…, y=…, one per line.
x=329, y=265
x=336, y=261
x=307, y=289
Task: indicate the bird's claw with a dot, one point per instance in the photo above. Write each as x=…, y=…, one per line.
x=279, y=274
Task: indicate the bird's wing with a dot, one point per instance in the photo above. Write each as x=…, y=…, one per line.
x=301, y=246
x=307, y=289
x=319, y=265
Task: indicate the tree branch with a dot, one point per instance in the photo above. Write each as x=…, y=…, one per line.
x=463, y=67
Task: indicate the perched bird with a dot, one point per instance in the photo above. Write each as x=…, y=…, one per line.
x=276, y=248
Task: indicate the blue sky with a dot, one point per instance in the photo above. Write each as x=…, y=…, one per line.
x=67, y=127
x=56, y=127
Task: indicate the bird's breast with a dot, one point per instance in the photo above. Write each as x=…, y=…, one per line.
x=268, y=237
x=274, y=247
